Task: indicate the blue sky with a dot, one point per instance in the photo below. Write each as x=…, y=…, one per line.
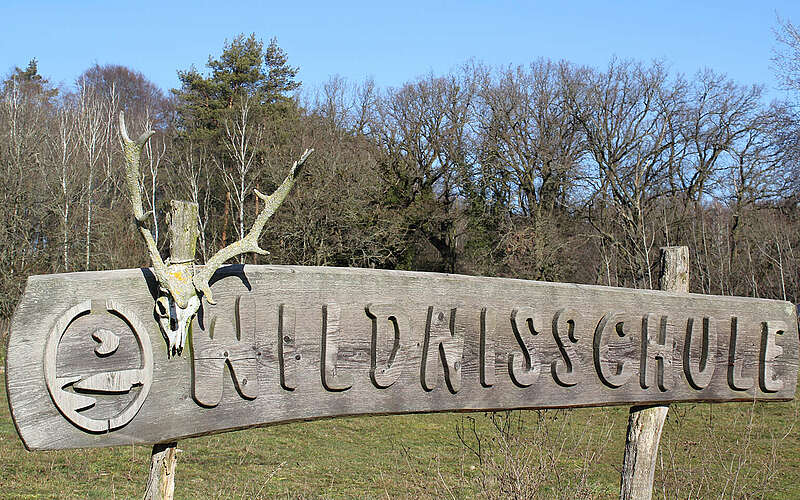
x=392, y=42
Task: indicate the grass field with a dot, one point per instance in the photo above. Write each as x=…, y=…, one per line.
x=727, y=450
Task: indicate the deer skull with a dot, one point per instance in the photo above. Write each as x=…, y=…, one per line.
x=181, y=287
x=175, y=321
x=175, y=316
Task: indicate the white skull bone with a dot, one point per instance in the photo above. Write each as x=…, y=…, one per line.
x=175, y=321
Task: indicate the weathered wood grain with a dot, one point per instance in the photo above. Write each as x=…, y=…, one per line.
x=325, y=342
x=163, y=461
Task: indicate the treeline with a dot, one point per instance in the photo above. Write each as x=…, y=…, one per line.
x=550, y=171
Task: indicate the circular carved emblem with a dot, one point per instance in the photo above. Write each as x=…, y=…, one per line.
x=71, y=403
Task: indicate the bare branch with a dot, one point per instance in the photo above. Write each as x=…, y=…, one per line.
x=250, y=242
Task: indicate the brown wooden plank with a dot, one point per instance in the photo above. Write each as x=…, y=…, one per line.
x=323, y=342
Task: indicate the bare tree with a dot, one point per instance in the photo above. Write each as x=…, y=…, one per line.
x=155, y=152
x=532, y=132
x=787, y=56
x=25, y=107
x=427, y=134
x=629, y=117
x=346, y=108
x=93, y=131
x=242, y=139
x=756, y=174
x=63, y=148
x=532, y=146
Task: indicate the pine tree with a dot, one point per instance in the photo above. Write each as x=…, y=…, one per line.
x=31, y=83
x=244, y=70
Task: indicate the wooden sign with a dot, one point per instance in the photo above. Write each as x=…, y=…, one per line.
x=87, y=365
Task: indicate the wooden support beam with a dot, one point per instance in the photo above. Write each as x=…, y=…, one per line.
x=161, y=480
x=183, y=234
x=646, y=422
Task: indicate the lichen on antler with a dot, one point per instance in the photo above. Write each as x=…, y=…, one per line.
x=176, y=281
x=181, y=283
x=133, y=153
x=250, y=242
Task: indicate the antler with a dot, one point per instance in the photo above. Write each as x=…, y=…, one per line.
x=181, y=280
x=250, y=242
x=133, y=153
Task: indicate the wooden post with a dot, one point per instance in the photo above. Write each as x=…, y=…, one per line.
x=183, y=233
x=646, y=422
x=161, y=481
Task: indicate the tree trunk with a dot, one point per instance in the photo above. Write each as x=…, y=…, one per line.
x=66, y=231
x=88, y=223
x=646, y=422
